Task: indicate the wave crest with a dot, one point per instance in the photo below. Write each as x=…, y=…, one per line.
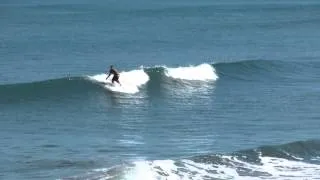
x=203, y=72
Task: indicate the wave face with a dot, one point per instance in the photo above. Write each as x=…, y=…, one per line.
x=297, y=160
x=44, y=90
x=132, y=82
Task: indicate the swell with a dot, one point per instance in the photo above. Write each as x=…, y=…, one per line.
x=249, y=69
x=268, y=70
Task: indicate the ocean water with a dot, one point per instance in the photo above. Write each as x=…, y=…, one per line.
x=210, y=89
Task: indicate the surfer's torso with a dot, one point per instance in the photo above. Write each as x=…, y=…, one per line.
x=114, y=72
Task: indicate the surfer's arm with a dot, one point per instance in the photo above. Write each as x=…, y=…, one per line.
x=108, y=76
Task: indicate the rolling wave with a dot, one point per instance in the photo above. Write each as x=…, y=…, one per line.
x=296, y=160
x=135, y=80
x=49, y=89
x=132, y=82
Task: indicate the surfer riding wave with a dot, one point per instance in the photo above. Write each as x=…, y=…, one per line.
x=116, y=75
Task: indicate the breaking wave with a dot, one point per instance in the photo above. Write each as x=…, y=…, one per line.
x=182, y=77
x=297, y=160
x=132, y=82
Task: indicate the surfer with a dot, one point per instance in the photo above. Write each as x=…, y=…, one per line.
x=115, y=75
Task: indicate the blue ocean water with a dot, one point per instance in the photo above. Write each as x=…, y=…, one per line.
x=210, y=89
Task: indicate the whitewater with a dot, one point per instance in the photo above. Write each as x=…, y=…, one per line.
x=131, y=81
x=239, y=165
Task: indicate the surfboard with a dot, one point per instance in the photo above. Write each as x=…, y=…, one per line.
x=108, y=83
x=114, y=87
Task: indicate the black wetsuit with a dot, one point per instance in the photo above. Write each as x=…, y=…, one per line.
x=115, y=75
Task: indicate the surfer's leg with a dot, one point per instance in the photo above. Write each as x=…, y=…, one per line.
x=113, y=79
x=116, y=78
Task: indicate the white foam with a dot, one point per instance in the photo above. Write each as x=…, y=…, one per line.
x=203, y=72
x=268, y=168
x=151, y=170
x=271, y=168
x=280, y=168
x=317, y=158
x=130, y=81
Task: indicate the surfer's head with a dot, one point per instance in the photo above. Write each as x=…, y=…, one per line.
x=111, y=66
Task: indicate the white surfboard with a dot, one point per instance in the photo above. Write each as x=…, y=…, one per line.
x=115, y=87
